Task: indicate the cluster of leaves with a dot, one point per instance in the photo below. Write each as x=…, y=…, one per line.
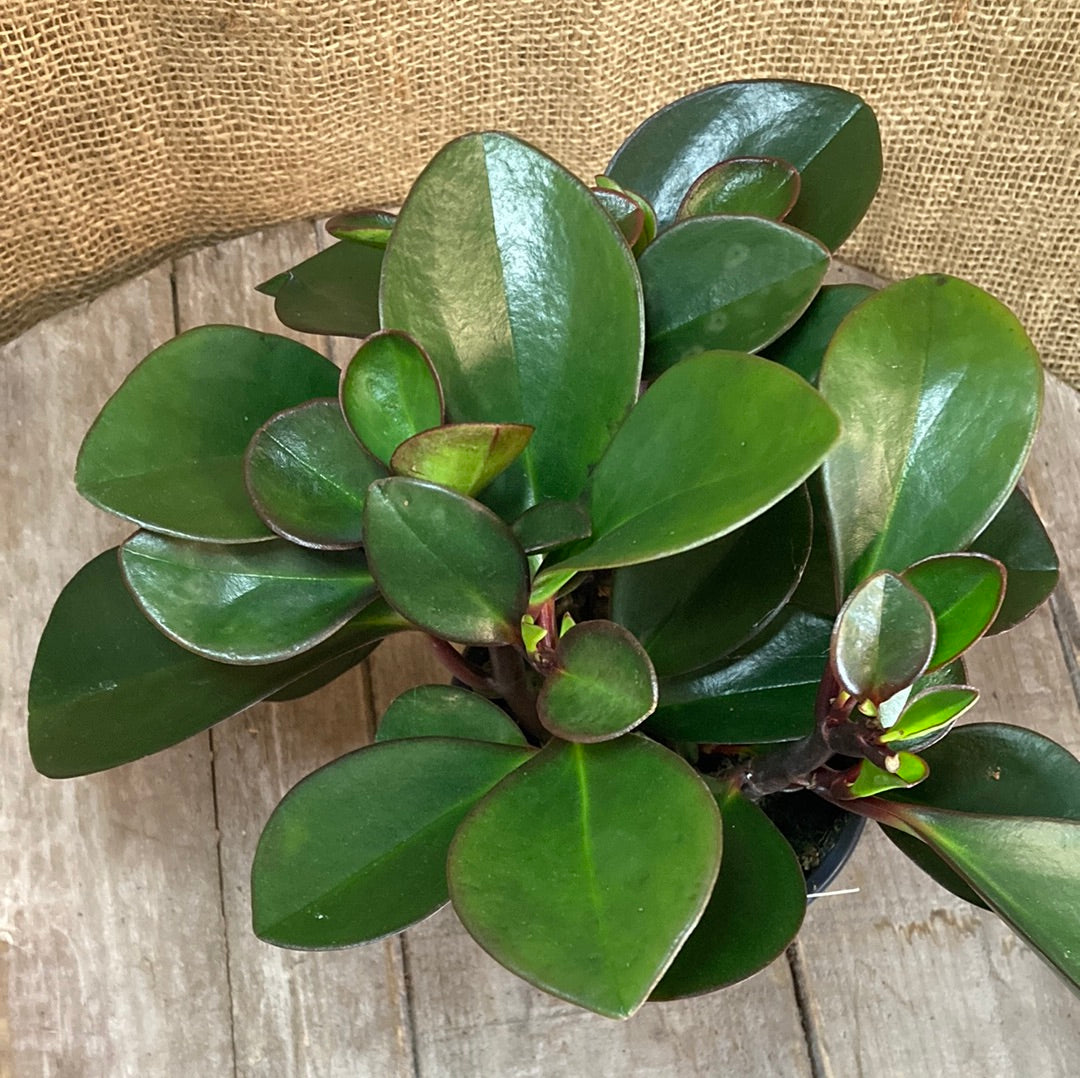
x=583, y=436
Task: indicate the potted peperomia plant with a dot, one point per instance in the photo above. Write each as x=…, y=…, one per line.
x=701, y=540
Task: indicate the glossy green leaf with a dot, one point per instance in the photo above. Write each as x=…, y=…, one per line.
x=624, y=211
x=389, y=392
x=938, y=390
x=371, y=227
x=964, y=592
x=731, y=283
x=465, y=457
x=929, y=717
x=249, y=603
x=551, y=524
x=803, y=347
x=308, y=476
x=109, y=687
x=883, y=638
x=765, y=693
x=521, y=289
x=573, y=880
x=829, y=135
x=760, y=885
x=357, y=850
x=1017, y=538
x=871, y=779
x=445, y=562
x=446, y=711
x=703, y=463
x=334, y=292
x=694, y=608
x=762, y=186
x=601, y=686
x=995, y=769
x=167, y=450
x=323, y=675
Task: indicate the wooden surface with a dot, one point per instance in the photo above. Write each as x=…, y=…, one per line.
x=125, y=947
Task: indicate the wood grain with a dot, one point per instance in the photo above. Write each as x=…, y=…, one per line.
x=112, y=948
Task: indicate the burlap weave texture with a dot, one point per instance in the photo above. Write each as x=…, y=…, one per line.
x=134, y=129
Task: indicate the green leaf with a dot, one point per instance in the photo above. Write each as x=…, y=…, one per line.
x=995, y=769
x=551, y=524
x=167, y=450
x=871, y=779
x=929, y=717
x=389, y=392
x=829, y=135
x=938, y=390
x=109, y=687
x=755, y=910
x=465, y=457
x=883, y=638
x=765, y=693
x=335, y=292
x=250, y=603
x=725, y=283
x=576, y=882
x=371, y=227
x=446, y=711
x=763, y=186
x=601, y=686
x=694, y=608
x=964, y=592
x=308, y=477
x=445, y=562
x=1016, y=538
x=357, y=850
x=624, y=211
x=521, y=289
x=702, y=462
x=323, y=675
x=649, y=223
x=803, y=347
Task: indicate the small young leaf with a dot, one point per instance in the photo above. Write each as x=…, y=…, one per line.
x=389, y=392
x=883, y=638
x=624, y=211
x=1016, y=538
x=308, y=476
x=602, y=686
x=445, y=562
x=701, y=462
x=167, y=450
x=964, y=592
x=244, y=603
x=939, y=391
x=803, y=347
x=929, y=717
x=551, y=524
x=732, y=283
x=465, y=457
x=335, y=292
x=111, y=688
x=357, y=850
x=371, y=227
x=760, y=885
x=692, y=609
x=572, y=879
x=446, y=711
x=871, y=779
x=765, y=693
x=762, y=186
x=829, y=135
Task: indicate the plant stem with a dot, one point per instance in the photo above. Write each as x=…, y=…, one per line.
x=461, y=668
x=508, y=676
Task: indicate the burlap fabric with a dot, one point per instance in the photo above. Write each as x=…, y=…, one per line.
x=133, y=129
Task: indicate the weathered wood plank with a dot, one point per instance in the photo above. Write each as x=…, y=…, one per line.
x=112, y=949
x=296, y=1014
